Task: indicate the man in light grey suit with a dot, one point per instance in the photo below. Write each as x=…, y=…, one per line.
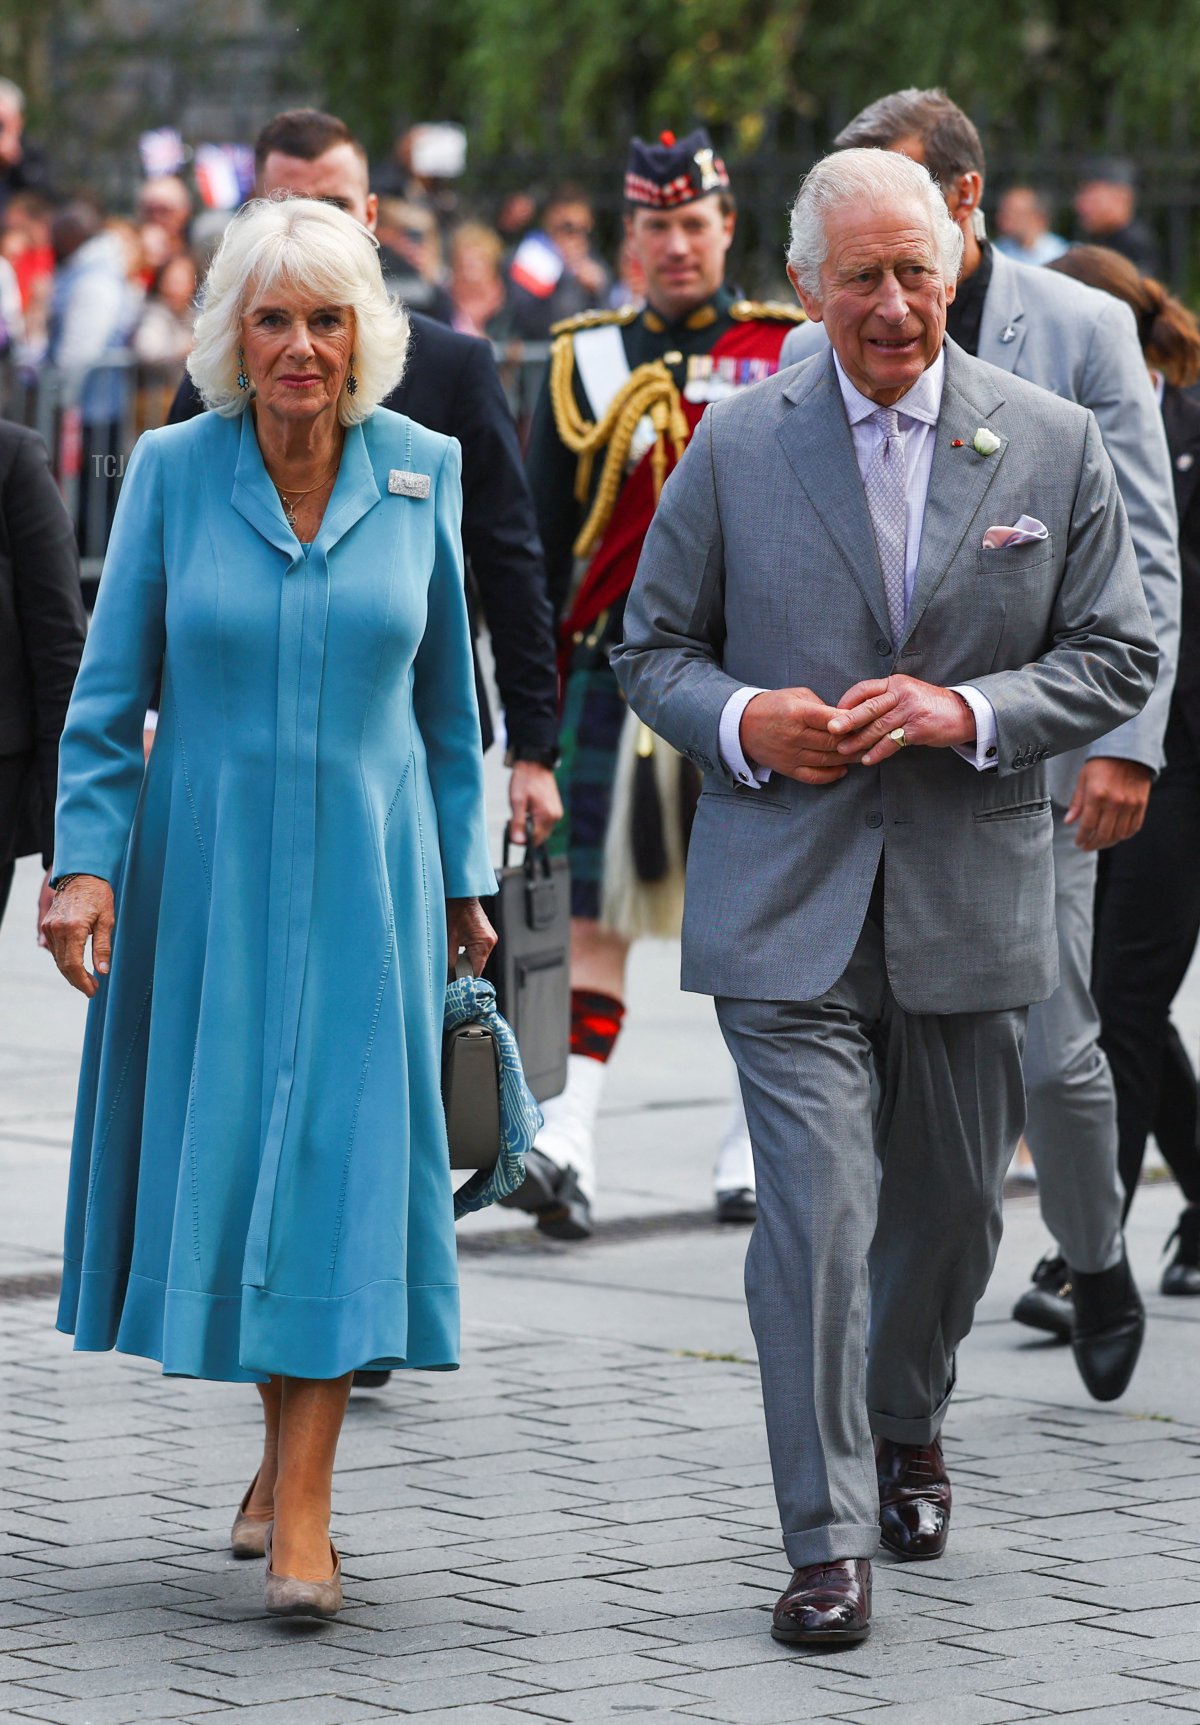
x=1082, y=345
x=862, y=570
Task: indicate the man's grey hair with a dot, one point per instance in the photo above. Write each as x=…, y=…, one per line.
x=877, y=179
x=12, y=95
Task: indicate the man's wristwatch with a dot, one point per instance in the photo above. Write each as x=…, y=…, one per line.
x=539, y=757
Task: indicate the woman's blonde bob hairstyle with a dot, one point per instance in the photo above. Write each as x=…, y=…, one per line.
x=310, y=248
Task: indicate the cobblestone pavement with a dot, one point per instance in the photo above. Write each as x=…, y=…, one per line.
x=570, y=1531
x=578, y=1525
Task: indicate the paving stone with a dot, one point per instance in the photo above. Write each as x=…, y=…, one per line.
x=1151, y=1622
x=991, y=1676
x=285, y=1654
x=707, y=1625
x=1024, y=1613
x=760, y=1690
x=445, y=1662
x=1081, y=1694
x=588, y=1644
x=17, y=1668
x=1171, y=1710
x=150, y=1704
x=295, y=1684
x=628, y=1701
x=313, y=1710
x=490, y=1713
x=432, y=1693
x=122, y=1679
x=608, y=1669
x=1055, y=1640
x=956, y=1710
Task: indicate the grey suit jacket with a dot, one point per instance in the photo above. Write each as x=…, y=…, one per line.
x=761, y=568
x=1083, y=345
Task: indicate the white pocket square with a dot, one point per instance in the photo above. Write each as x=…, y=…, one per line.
x=1027, y=529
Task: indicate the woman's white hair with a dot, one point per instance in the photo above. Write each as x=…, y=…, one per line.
x=312, y=248
x=874, y=178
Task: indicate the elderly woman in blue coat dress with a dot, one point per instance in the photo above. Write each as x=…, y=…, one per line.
x=260, y=1187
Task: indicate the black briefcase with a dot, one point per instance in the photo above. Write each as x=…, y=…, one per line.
x=531, y=965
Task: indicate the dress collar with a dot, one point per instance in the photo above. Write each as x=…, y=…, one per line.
x=923, y=401
x=355, y=491
x=700, y=317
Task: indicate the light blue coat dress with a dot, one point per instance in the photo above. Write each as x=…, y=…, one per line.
x=259, y=1175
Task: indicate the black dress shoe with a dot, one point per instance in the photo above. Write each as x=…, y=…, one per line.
x=552, y=1197
x=739, y=1205
x=1047, y=1304
x=370, y=1380
x=825, y=1602
x=1182, y=1274
x=914, y=1498
x=569, y=1215
x=1110, y=1322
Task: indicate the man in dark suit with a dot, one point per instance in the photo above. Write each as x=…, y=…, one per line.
x=42, y=627
x=451, y=385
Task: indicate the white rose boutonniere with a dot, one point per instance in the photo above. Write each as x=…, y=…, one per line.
x=985, y=442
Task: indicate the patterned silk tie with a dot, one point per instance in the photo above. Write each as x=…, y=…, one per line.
x=885, y=484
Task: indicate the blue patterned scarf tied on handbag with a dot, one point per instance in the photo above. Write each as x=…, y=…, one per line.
x=470, y=1000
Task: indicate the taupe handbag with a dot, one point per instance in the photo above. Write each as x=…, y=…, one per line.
x=471, y=1091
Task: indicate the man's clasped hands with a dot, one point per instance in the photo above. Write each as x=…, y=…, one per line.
x=794, y=732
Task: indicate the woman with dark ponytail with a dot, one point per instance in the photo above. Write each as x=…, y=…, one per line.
x=1148, y=905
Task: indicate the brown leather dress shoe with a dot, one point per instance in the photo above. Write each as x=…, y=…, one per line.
x=825, y=1602
x=914, y=1498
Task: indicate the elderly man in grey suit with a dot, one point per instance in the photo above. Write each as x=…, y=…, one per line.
x=1082, y=345
x=879, y=593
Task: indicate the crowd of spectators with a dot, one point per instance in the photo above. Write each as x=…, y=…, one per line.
x=86, y=290
x=80, y=284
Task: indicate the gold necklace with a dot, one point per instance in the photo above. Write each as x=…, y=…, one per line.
x=289, y=509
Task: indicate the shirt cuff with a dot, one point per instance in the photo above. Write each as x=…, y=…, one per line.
x=982, y=752
x=730, y=742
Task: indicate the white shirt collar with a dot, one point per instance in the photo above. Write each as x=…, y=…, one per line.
x=923, y=401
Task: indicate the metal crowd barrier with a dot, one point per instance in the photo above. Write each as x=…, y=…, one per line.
x=90, y=420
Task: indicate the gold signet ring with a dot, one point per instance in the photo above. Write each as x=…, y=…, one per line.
x=897, y=736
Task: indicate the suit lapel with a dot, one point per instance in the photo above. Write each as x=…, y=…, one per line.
x=815, y=437
x=960, y=478
x=1002, y=327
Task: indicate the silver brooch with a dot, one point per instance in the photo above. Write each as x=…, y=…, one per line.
x=402, y=483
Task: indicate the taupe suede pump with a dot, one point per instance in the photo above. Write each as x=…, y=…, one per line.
x=288, y=1596
x=247, y=1537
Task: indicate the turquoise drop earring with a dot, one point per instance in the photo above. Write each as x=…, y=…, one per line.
x=351, y=380
x=243, y=379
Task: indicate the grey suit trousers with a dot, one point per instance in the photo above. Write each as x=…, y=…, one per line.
x=892, y=1206
x=1071, y=1127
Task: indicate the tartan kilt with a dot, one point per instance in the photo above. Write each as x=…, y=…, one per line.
x=592, y=718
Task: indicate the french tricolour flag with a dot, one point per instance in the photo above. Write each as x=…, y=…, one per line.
x=536, y=266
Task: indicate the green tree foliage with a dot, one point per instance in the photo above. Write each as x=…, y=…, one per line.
x=578, y=75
